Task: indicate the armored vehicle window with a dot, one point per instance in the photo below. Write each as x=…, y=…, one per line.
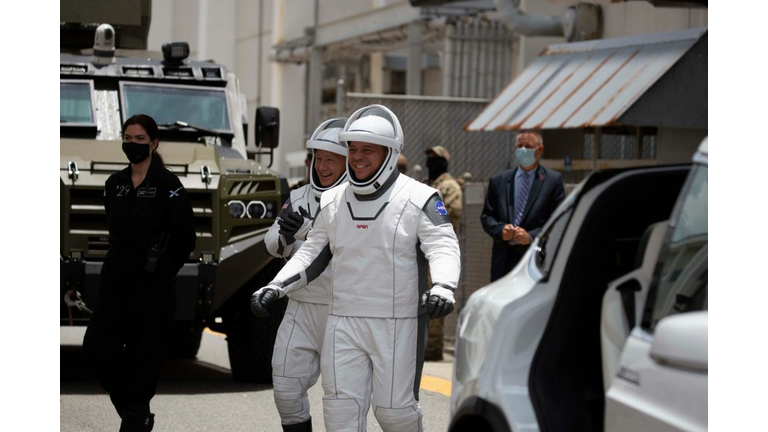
x=201, y=106
x=75, y=102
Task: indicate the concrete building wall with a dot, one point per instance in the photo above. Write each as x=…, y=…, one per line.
x=216, y=32
x=184, y=21
x=432, y=82
x=678, y=145
x=230, y=32
x=161, y=25
x=252, y=64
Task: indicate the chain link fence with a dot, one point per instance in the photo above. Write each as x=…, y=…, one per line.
x=429, y=122
x=476, y=247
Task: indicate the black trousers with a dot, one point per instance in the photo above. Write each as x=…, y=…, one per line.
x=514, y=255
x=128, y=335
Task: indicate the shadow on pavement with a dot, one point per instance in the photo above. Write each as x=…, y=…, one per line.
x=179, y=377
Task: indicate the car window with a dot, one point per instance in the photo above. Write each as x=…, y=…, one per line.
x=681, y=285
x=550, y=241
x=75, y=103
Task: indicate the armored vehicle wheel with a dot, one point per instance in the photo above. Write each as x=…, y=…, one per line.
x=185, y=340
x=251, y=342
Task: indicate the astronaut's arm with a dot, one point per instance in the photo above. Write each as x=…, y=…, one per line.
x=278, y=245
x=307, y=263
x=440, y=245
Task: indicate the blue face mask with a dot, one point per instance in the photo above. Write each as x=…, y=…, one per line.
x=525, y=157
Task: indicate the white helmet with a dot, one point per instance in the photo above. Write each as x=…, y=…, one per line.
x=374, y=124
x=326, y=137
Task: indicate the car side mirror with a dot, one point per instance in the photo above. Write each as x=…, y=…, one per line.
x=267, y=127
x=681, y=341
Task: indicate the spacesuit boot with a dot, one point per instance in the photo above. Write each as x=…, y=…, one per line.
x=299, y=427
x=137, y=423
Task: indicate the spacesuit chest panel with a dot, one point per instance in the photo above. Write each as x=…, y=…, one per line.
x=374, y=255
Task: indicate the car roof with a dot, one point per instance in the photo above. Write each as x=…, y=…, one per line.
x=703, y=147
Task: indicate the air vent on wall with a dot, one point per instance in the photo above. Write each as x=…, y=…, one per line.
x=211, y=73
x=73, y=69
x=138, y=71
x=249, y=187
x=178, y=72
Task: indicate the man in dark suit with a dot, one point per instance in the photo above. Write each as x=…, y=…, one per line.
x=519, y=202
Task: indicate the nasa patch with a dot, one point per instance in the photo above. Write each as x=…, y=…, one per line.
x=440, y=208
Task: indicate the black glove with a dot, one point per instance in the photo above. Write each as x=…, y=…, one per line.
x=438, y=302
x=290, y=222
x=294, y=225
x=263, y=299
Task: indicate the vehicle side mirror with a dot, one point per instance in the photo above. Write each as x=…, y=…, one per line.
x=267, y=127
x=681, y=341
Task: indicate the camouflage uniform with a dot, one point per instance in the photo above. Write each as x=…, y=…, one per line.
x=452, y=197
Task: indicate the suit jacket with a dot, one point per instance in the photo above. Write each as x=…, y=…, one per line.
x=546, y=193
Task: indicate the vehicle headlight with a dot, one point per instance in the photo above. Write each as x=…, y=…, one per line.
x=236, y=209
x=256, y=210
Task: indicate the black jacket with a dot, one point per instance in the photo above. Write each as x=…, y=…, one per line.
x=137, y=217
x=547, y=192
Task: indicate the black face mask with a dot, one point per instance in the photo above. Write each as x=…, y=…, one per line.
x=136, y=152
x=436, y=166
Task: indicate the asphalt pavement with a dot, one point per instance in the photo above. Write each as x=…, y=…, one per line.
x=200, y=395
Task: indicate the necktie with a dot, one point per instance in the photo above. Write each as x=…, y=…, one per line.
x=521, y=197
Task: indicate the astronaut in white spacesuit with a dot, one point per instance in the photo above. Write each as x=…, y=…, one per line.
x=296, y=357
x=377, y=232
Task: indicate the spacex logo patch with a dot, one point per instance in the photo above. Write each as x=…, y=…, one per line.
x=440, y=208
x=145, y=192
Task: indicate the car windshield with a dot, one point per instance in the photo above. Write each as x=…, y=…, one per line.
x=199, y=106
x=75, y=103
x=682, y=285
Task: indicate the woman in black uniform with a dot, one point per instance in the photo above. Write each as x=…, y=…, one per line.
x=151, y=234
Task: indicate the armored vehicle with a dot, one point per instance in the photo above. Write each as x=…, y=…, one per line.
x=201, y=113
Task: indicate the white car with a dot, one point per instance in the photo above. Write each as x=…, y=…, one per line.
x=603, y=323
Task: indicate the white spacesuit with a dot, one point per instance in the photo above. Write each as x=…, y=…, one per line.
x=296, y=357
x=377, y=234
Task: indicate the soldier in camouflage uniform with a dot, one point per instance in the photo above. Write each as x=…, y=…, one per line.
x=440, y=179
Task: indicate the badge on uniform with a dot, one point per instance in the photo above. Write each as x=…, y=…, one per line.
x=145, y=192
x=440, y=208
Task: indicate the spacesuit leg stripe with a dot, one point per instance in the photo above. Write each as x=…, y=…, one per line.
x=335, y=381
x=288, y=342
x=423, y=320
x=394, y=365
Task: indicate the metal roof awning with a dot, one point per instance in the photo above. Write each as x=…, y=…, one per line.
x=607, y=82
